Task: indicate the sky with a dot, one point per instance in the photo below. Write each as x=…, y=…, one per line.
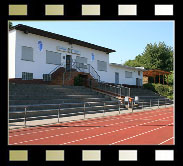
x=127, y=38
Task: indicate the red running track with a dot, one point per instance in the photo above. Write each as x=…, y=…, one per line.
x=155, y=127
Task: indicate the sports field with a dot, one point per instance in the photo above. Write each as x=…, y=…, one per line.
x=155, y=127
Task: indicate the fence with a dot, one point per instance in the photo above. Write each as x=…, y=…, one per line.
x=149, y=103
x=114, y=89
x=86, y=109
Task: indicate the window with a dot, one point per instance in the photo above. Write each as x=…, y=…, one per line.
x=139, y=73
x=27, y=53
x=101, y=65
x=46, y=77
x=27, y=76
x=128, y=74
x=53, y=58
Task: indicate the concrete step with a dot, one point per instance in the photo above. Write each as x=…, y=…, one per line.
x=40, y=96
x=13, y=108
x=154, y=103
x=149, y=97
x=50, y=97
x=55, y=101
x=51, y=92
x=30, y=86
x=51, y=88
x=19, y=115
x=151, y=92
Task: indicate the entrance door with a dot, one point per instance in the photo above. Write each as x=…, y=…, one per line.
x=68, y=62
x=137, y=81
x=116, y=78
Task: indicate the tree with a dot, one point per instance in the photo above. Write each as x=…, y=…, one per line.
x=155, y=56
x=170, y=78
x=10, y=24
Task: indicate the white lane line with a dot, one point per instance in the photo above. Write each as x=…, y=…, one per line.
x=168, y=109
x=96, y=128
x=140, y=134
x=120, y=129
x=166, y=140
x=113, y=118
x=147, y=113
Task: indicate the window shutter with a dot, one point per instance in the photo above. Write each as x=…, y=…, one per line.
x=81, y=59
x=101, y=65
x=27, y=53
x=53, y=58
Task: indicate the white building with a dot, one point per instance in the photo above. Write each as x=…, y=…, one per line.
x=38, y=52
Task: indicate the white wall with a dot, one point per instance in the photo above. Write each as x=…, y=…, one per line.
x=122, y=79
x=39, y=66
x=11, y=53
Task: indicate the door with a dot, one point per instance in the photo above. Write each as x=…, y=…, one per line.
x=137, y=81
x=68, y=62
x=116, y=78
x=140, y=82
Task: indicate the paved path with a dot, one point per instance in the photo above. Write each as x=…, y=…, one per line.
x=153, y=127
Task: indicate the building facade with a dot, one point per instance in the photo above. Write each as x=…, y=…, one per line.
x=38, y=52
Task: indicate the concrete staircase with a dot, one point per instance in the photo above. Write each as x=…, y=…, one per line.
x=60, y=77
x=146, y=96
x=44, y=101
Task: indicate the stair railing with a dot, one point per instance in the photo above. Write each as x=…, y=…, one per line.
x=113, y=89
x=86, y=68
x=57, y=67
x=73, y=66
x=93, y=73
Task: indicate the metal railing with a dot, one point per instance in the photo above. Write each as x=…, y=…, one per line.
x=57, y=67
x=116, y=90
x=93, y=73
x=73, y=66
x=81, y=67
x=146, y=104
x=58, y=112
x=29, y=115
x=86, y=68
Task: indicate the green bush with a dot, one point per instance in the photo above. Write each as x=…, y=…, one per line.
x=163, y=90
x=170, y=78
x=149, y=86
x=78, y=80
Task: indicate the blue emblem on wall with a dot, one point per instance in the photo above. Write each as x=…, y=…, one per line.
x=92, y=57
x=40, y=45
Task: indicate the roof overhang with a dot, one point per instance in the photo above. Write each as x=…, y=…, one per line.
x=155, y=72
x=28, y=29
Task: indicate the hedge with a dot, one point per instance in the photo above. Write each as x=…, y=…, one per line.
x=78, y=80
x=163, y=90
